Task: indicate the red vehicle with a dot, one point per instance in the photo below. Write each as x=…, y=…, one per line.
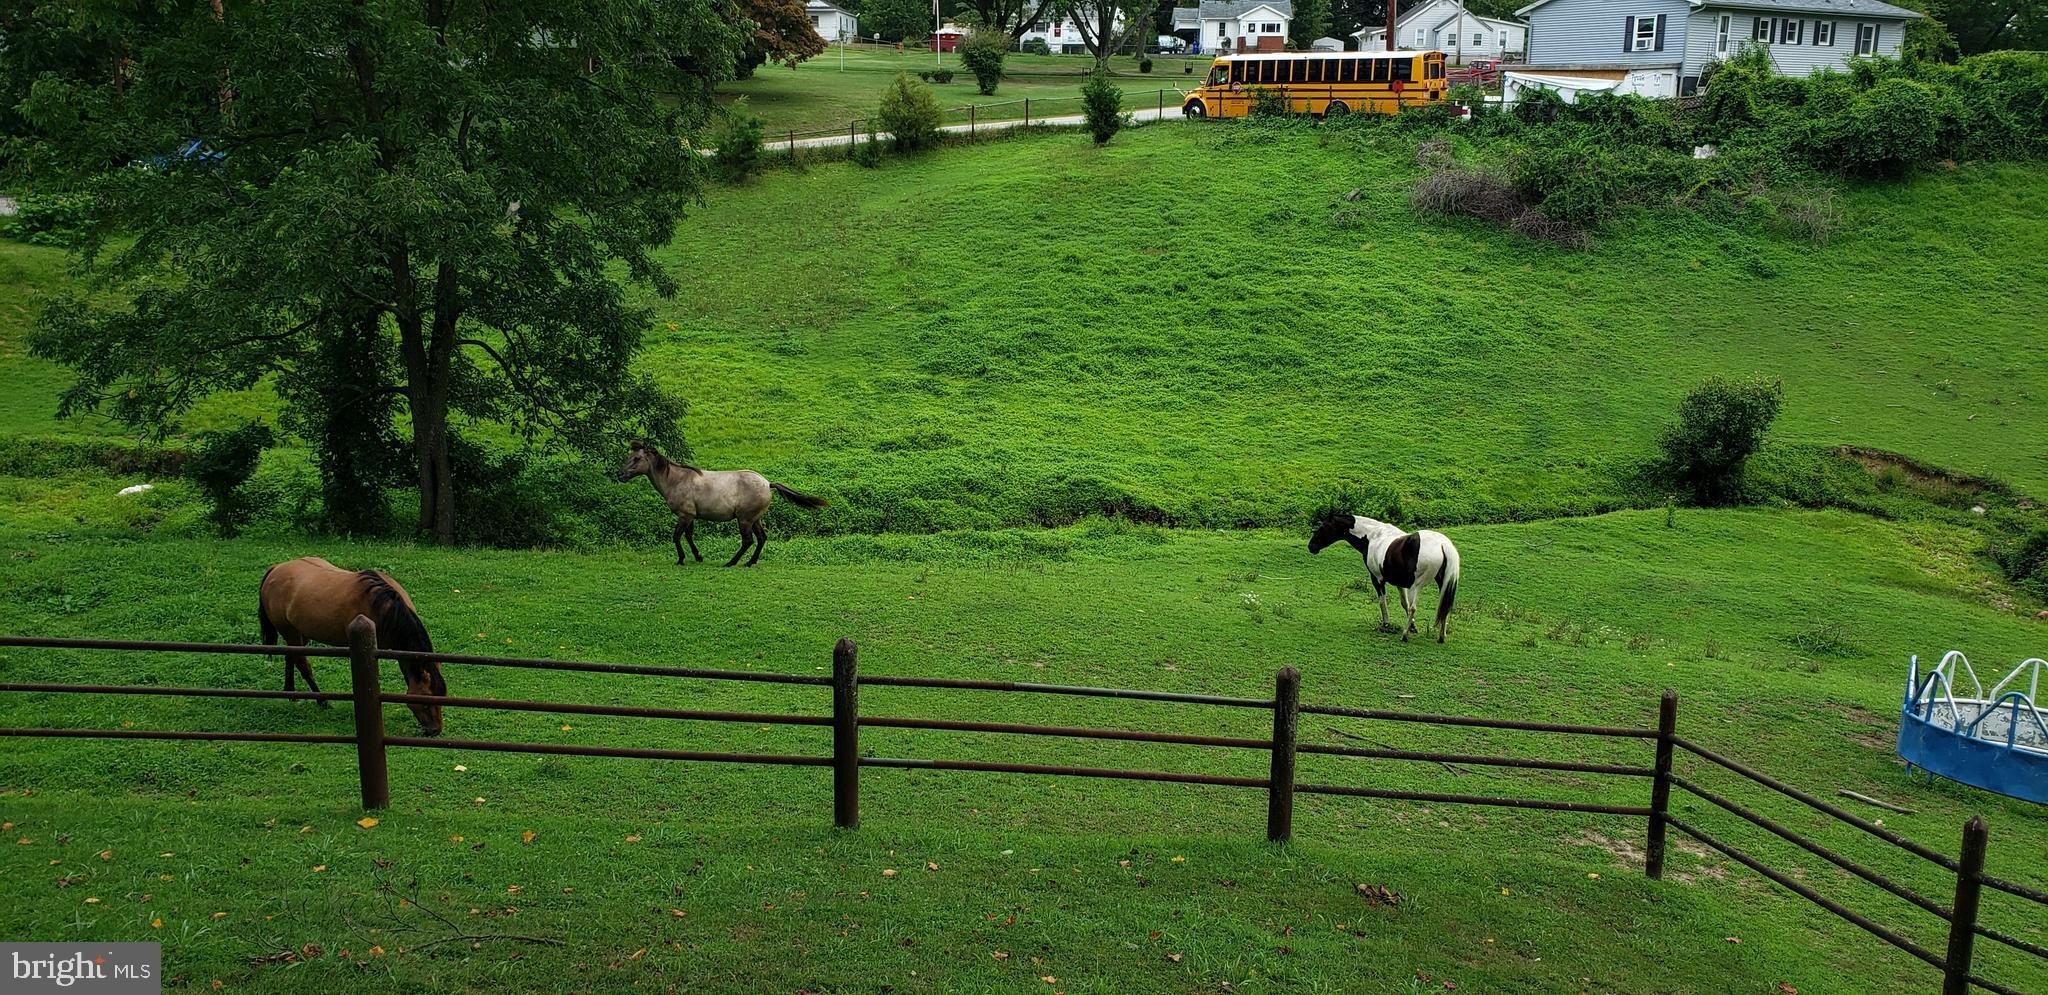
x=1479, y=72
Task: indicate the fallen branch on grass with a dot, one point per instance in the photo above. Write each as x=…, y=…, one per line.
x=1867, y=800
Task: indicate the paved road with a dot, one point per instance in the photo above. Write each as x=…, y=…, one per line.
x=829, y=141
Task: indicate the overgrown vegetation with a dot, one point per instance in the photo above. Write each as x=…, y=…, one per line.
x=1760, y=144
x=910, y=114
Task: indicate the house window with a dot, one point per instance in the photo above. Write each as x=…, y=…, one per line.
x=1762, y=33
x=1824, y=33
x=1503, y=40
x=1272, y=28
x=1866, y=39
x=1421, y=37
x=1478, y=39
x=1721, y=35
x=1644, y=36
x=1790, y=29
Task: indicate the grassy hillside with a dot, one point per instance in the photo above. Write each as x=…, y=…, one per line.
x=1783, y=632
x=1192, y=321
x=1192, y=326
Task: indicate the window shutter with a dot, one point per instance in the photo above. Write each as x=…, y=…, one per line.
x=1856, y=40
x=1660, y=33
x=1628, y=35
x=1876, y=30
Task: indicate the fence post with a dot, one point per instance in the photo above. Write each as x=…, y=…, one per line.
x=1660, y=785
x=792, y=145
x=1160, y=114
x=369, y=706
x=1962, y=929
x=970, y=122
x=1280, y=787
x=1027, y=112
x=851, y=139
x=845, y=735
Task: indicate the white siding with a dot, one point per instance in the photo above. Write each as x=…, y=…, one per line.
x=1589, y=32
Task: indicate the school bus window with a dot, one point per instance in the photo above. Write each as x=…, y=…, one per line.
x=1236, y=72
x=1404, y=69
x=1219, y=76
x=1269, y=71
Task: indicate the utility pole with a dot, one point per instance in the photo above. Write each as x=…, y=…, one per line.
x=1393, y=11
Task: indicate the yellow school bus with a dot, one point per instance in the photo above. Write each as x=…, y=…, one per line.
x=1319, y=83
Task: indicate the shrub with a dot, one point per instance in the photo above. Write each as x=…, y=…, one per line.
x=910, y=113
x=867, y=154
x=739, y=143
x=51, y=219
x=1102, y=105
x=1145, y=64
x=223, y=463
x=1469, y=193
x=2023, y=557
x=1889, y=129
x=982, y=52
x=1037, y=46
x=1268, y=102
x=1720, y=424
x=1539, y=106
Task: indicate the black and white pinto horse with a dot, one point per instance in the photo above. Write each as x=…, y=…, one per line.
x=1407, y=560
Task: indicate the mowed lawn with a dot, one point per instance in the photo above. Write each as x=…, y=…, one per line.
x=824, y=94
x=1785, y=634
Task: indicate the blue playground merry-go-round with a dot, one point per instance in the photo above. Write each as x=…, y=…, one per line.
x=1995, y=740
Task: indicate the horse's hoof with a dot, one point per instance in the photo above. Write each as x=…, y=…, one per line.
x=431, y=733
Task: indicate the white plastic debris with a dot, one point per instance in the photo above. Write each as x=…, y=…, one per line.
x=137, y=489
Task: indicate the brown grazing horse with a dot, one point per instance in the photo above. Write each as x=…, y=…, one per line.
x=712, y=496
x=312, y=600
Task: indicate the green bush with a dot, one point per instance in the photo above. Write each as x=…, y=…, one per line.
x=1102, y=105
x=940, y=76
x=51, y=219
x=1145, y=64
x=2023, y=557
x=1721, y=423
x=982, y=52
x=1037, y=46
x=1884, y=131
x=739, y=143
x=910, y=114
x=223, y=463
x=867, y=153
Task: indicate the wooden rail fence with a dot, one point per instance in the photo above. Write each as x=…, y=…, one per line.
x=1960, y=915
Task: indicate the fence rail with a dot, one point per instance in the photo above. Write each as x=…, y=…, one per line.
x=1281, y=785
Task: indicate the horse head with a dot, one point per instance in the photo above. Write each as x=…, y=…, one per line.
x=640, y=461
x=1334, y=527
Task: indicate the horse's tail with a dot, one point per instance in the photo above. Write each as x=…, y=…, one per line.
x=1447, y=586
x=802, y=500
x=263, y=612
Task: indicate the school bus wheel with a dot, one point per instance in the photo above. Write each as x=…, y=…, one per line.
x=1336, y=108
x=1194, y=109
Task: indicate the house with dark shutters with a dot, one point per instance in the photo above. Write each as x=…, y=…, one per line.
x=1660, y=48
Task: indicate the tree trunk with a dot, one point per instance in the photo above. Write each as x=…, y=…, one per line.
x=427, y=375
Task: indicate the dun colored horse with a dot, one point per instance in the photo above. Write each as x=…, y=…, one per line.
x=1407, y=560
x=712, y=496
x=312, y=600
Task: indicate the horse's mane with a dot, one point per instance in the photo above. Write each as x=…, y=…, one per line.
x=398, y=626
x=662, y=462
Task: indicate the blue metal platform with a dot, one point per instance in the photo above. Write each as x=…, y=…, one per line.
x=1995, y=740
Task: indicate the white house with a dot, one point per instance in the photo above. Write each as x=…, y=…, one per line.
x=834, y=24
x=1060, y=34
x=1446, y=26
x=1660, y=48
x=1223, y=26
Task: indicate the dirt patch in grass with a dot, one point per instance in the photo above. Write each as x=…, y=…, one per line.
x=1625, y=852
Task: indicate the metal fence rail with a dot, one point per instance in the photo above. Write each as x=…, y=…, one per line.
x=1281, y=785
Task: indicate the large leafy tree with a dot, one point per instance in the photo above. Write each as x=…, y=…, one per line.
x=416, y=201
x=1985, y=25
x=1109, y=26
x=1011, y=17
x=782, y=32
